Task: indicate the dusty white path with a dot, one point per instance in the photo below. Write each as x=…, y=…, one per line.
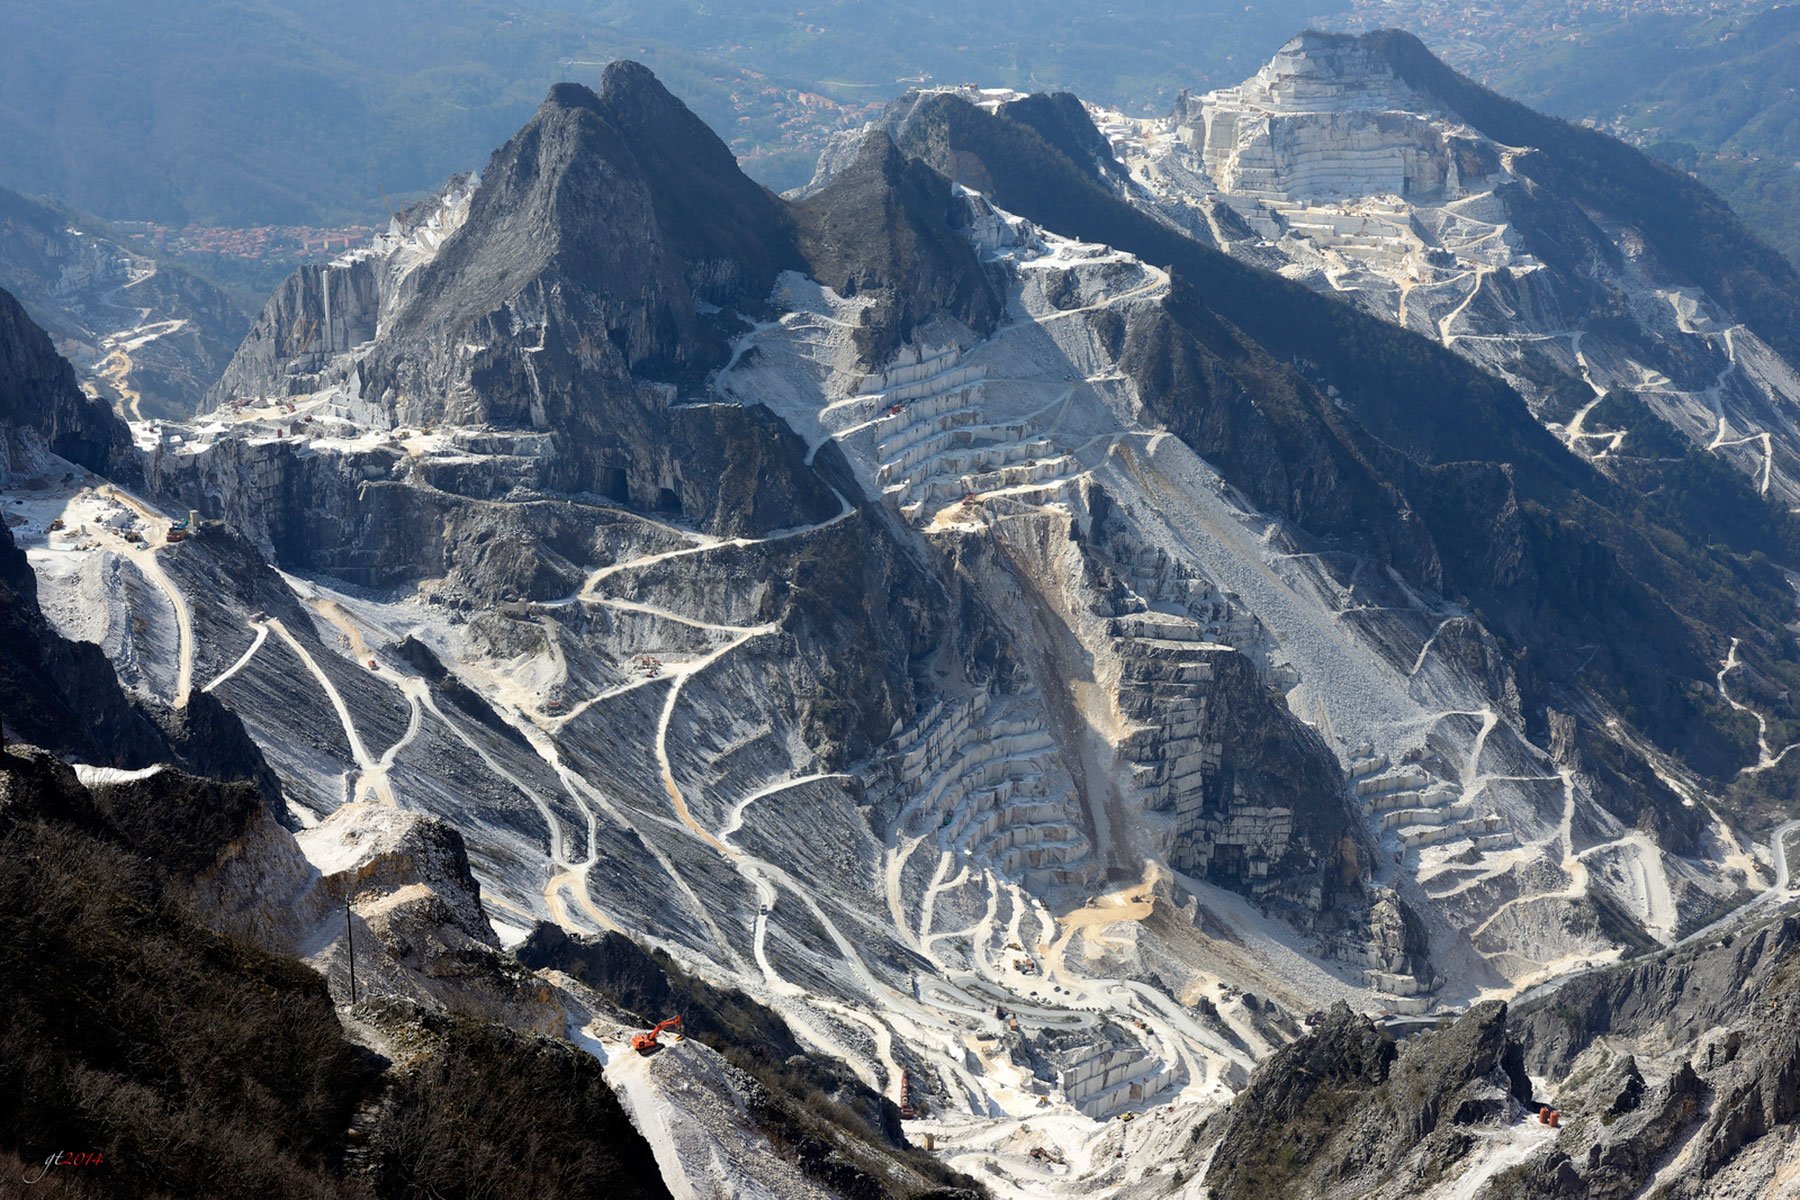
x=262, y=635
x=1766, y=758
x=371, y=776
x=144, y=557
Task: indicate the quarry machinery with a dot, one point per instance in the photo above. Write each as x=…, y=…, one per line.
x=650, y=1041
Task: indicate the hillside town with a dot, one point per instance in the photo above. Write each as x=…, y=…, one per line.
x=256, y=243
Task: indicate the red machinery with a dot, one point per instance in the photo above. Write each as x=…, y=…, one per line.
x=650, y=1041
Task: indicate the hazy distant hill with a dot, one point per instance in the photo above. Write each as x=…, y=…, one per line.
x=1719, y=97
x=147, y=335
x=241, y=112
x=252, y=111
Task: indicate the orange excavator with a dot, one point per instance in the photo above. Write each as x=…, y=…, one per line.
x=650, y=1041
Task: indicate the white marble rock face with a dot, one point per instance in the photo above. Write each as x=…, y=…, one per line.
x=1323, y=121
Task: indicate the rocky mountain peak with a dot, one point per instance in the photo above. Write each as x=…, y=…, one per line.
x=886, y=224
x=719, y=215
x=625, y=195
x=1336, y=67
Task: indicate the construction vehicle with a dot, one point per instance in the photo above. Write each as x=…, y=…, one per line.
x=650, y=1041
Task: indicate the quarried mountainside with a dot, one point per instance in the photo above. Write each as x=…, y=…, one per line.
x=1635, y=314
x=147, y=338
x=972, y=632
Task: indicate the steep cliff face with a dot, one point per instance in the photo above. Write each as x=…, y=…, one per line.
x=320, y=310
x=1256, y=796
x=41, y=404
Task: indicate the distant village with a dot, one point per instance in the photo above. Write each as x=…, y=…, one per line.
x=256, y=243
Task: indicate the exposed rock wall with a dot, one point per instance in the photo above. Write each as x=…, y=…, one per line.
x=1257, y=797
x=40, y=399
x=1346, y=1112
x=909, y=254
x=320, y=310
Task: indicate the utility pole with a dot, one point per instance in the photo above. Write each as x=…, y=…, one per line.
x=350, y=941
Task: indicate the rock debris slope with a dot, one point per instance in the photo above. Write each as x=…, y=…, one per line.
x=1037, y=656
